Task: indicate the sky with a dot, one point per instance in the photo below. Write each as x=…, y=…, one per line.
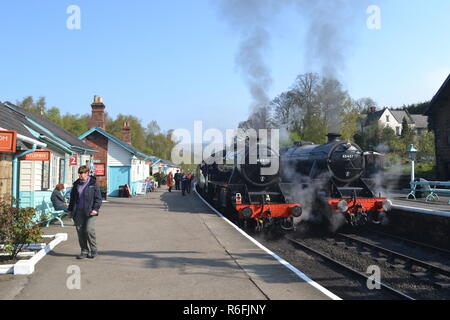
x=174, y=61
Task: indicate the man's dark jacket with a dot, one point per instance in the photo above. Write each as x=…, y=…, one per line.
x=92, y=197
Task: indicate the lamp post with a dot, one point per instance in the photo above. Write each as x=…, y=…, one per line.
x=412, y=154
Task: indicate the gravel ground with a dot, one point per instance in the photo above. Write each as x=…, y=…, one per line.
x=345, y=284
x=397, y=278
x=415, y=251
x=340, y=282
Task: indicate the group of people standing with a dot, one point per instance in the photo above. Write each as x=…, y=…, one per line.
x=181, y=180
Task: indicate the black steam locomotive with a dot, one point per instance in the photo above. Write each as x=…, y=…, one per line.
x=245, y=185
x=333, y=175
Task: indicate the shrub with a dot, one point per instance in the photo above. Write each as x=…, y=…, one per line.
x=17, y=228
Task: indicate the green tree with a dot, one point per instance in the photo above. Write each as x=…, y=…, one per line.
x=426, y=145
x=407, y=133
x=316, y=131
x=76, y=124
x=349, y=124
x=138, y=137
x=160, y=143
x=54, y=115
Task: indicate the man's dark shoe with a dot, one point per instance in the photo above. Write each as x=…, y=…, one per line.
x=82, y=256
x=92, y=255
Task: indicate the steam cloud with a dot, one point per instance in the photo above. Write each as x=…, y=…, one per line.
x=327, y=41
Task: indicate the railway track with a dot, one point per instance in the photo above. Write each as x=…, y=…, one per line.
x=348, y=268
x=399, y=264
x=412, y=242
x=399, y=261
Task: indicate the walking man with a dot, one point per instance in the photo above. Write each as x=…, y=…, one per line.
x=184, y=183
x=189, y=183
x=84, y=206
x=177, y=178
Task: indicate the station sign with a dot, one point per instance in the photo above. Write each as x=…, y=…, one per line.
x=36, y=156
x=100, y=169
x=147, y=163
x=74, y=160
x=8, y=141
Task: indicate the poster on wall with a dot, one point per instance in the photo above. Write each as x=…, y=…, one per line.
x=141, y=188
x=99, y=169
x=8, y=141
x=74, y=160
x=36, y=156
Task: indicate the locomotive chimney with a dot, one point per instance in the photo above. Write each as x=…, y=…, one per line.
x=98, y=113
x=126, y=134
x=332, y=137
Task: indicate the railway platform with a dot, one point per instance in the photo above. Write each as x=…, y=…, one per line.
x=400, y=202
x=161, y=246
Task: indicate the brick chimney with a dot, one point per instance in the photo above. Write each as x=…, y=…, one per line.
x=373, y=110
x=126, y=134
x=98, y=113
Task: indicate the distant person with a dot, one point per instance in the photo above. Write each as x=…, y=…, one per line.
x=177, y=180
x=189, y=183
x=57, y=198
x=85, y=203
x=170, y=181
x=148, y=185
x=184, y=184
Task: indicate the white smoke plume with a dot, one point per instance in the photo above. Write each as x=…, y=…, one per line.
x=327, y=44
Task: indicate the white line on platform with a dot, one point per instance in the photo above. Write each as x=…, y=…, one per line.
x=422, y=210
x=279, y=259
x=26, y=267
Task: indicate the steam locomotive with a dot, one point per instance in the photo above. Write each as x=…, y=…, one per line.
x=245, y=185
x=334, y=176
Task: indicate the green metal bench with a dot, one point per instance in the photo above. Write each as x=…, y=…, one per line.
x=431, y=187
x=52, y=214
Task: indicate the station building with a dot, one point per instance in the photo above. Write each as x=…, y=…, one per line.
x=41, y=155
x=117, y=162
x=163, y=166
x=439, y=117
x=36, y=155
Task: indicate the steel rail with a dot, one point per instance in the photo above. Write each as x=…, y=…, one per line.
x=416, y=243
x=348, y=268
x=420, y=263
